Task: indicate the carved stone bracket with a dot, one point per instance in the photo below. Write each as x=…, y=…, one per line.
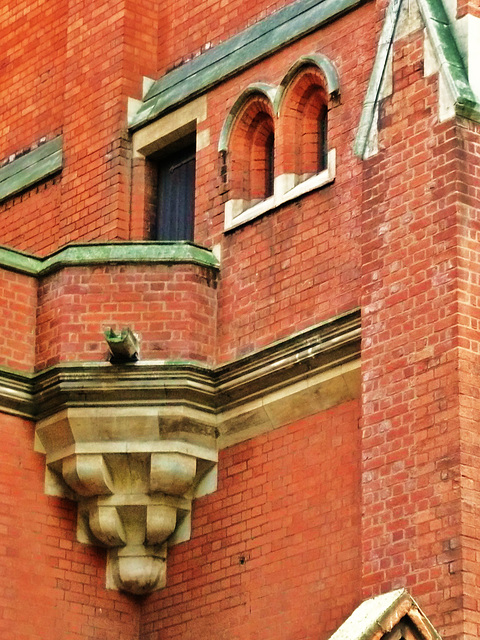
x=134, y=475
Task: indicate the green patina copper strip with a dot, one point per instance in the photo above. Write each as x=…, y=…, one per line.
x=34, y=166
x=241, y=51
x=19, y=261
x=107, y=253
x=446, y=52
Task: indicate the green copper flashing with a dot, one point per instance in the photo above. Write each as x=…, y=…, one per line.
x=446, y=52
x=107, y=253
x=237, y=53
x=31, y=168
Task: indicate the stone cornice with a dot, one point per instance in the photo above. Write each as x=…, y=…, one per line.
x=135, y=444
x=16, y=393
x=217, y=392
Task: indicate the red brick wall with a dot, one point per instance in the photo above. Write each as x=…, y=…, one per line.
x=301, y=263
x=32, y=85
x=411, y=528
x=50, y=585
x=469, y=381
x=468, y=6
x=18, y=295
x=274, y=551
x=172, y=308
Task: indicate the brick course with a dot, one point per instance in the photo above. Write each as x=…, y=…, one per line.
x=313, y=517
x=274, y=550
x=51, y=586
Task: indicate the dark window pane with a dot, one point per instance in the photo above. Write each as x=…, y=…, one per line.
x=176, y=196
x=270, y=170
x=322, y=139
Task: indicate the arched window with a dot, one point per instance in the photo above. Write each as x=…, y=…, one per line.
x=304, y=124
x=262, y=142
x=251, y=152
x=274, y=141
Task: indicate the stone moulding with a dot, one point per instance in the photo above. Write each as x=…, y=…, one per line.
x=133, y=485
x=135, y=444
x=394, y=616
x=439, y=32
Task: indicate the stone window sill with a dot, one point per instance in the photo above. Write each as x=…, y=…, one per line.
x=287, y=187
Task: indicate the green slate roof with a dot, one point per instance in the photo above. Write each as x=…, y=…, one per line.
x=448, y=56
x=31, y=168
x=242, y=50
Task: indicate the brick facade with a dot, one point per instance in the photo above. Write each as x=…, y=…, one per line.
x=324, y=497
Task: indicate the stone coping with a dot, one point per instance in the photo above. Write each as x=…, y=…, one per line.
x=89, y=254
x=446, y=52
x=262, y=390
x=32, y=167
x=377, y=617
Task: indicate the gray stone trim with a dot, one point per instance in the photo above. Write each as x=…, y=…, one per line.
x=16, y=393
x=24, y=172
x=263, y=388
x=448, y=56
x=378, y=616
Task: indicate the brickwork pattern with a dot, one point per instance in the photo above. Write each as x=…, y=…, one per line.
x=248, y=152
x=468, y=183
x=50, y=585
x=302, y=110
x=172, y=308
x=300, y=264
x=274, y=550
x=412, y=449
x=18, y=294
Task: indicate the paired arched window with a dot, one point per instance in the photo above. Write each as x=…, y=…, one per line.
x=275, y=140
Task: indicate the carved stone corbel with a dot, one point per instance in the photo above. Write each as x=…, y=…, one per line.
x=134, y=474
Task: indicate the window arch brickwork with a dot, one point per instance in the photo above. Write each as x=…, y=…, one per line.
x=250, y=152
x=303, y=123
x=275, y=140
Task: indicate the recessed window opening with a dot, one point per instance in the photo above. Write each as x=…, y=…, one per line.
x=311, y=138
x=322, y=149
x=251, y=153
x=175, y=191
x=261, y=138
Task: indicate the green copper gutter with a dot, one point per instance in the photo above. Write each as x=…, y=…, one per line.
x=107, y=253
x=237, y=53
